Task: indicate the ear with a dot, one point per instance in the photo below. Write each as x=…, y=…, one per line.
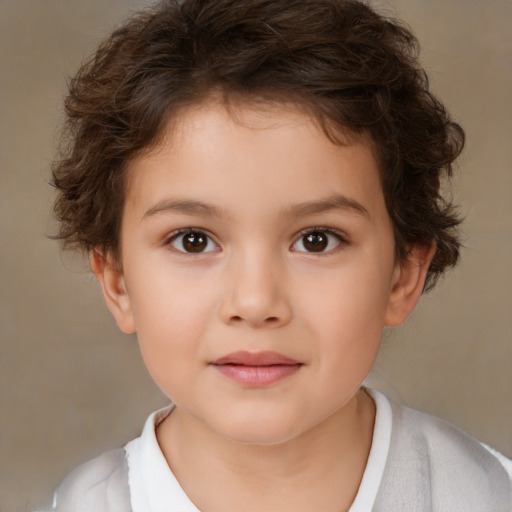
x=112, y=283
x=407, y=284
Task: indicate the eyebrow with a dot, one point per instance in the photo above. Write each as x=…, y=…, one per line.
x=184, y=206
x=199, y=208
x=333, y=202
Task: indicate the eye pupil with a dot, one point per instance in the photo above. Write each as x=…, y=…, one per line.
x=315, y=241
x=195, y=242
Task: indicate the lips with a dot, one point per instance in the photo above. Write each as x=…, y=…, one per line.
x=256, y=369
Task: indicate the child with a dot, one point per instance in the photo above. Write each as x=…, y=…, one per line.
x=257, y=185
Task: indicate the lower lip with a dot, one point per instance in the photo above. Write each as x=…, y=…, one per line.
x=257, y=376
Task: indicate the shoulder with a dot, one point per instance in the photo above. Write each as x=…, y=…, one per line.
x=448, y=467
x=444, y=443
x=99, y=484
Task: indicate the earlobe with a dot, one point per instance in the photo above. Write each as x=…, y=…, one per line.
x=407, y=284
x=113, y=285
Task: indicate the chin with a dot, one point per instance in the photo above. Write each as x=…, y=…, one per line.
x=258, y=431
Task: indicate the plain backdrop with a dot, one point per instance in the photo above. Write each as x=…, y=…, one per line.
x=72, y=386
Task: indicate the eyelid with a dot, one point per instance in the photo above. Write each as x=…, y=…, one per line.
x=323, y=229
x=340, y=235
x=183, y=231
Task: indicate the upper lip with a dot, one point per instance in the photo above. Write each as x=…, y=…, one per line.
x=263, y=358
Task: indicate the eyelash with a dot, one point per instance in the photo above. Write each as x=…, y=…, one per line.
x=341, y=238
x=177, y=234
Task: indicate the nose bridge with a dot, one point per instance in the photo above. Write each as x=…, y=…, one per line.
x=256, y=289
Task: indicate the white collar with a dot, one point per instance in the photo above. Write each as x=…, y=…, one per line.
x=153, y=486
x=374, y=471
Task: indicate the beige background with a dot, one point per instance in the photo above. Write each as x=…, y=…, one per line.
x=71, y=386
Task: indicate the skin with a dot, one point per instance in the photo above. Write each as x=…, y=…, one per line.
x=267, y=174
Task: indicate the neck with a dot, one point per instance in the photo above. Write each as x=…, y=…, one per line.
x=321, y=469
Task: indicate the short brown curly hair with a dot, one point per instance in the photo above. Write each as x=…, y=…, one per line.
x=351, y=67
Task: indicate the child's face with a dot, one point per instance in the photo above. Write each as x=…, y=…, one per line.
x=256, y=236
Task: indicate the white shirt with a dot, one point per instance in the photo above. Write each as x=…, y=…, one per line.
x=153, y=485
x=417, y=463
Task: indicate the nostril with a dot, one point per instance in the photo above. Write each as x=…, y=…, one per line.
x=271, y=320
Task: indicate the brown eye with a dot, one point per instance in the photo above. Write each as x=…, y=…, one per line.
x=193, y=242
x=317, y=241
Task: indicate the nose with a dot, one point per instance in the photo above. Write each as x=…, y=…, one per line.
x=255, y=293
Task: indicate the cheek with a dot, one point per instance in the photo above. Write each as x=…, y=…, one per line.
x=171, y=316
x=170, y=345
x=167, y=297
x=353, y=294
x=347, y=310
x=350, y=336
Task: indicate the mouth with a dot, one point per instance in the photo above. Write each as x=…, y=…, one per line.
x=256, y=369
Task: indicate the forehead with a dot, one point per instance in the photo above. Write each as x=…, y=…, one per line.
x=270, y=153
